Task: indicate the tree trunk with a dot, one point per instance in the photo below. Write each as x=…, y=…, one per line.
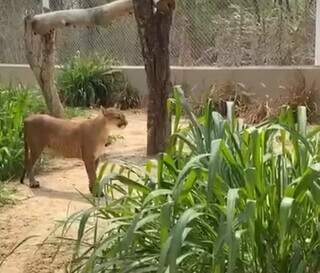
x=40, y=55
x=154, y=29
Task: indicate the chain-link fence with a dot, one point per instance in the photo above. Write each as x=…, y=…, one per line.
x=204, y=32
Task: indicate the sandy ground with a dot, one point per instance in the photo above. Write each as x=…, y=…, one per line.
x=37, y=210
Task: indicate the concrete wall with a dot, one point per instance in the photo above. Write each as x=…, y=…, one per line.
x=15, y=74
x=261, y=80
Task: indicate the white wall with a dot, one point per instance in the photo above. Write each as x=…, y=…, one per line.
x=261, y=80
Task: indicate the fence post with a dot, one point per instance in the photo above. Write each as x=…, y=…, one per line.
x=317, y=38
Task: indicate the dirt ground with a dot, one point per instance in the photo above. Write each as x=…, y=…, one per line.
x=37, y=210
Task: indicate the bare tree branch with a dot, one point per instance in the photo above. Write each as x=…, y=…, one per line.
x=101, y=15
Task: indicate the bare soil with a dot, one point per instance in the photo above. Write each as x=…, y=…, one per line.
x=37, y=211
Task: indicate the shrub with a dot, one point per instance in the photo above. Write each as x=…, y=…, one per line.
x=89, y=81
x=223, y=198
x=15, y=104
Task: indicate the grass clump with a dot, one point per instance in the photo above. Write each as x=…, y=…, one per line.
x=15, y=105
x=91, y=81
x=224, y=197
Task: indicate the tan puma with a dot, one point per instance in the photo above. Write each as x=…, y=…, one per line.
x=84, y=140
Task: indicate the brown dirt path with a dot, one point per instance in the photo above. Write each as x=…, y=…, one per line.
x=38, y=209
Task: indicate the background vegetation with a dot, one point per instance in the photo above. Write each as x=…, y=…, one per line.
x=252, y=109
x=90, y=81
x=15, y=104
x=223, y=198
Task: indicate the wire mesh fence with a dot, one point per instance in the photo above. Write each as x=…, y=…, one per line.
x=204, y=32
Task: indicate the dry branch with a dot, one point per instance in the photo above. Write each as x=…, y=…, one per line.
x=101, y=15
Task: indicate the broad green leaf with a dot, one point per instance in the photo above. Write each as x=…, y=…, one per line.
x=231, y=240
x=165, y=222
x=154, y=194
x=213, y=167
x=285, y=214
x=177, y=237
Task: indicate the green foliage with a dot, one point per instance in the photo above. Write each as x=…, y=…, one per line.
x=223, y=198
x=15, y=104
x=84, y=81
x=88, y=81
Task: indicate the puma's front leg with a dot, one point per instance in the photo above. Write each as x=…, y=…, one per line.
x=91, y=164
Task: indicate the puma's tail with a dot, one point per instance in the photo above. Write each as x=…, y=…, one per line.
x=26, y=155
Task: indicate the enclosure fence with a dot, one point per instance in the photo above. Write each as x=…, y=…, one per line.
x=204, y=33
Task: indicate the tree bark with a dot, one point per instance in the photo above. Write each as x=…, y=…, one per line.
x=154, y=23
x=40, y=55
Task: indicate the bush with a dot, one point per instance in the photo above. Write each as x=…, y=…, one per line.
x=15, y=104
x=223, y=198
x=89, y=81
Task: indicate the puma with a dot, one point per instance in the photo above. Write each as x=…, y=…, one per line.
x=84, y=140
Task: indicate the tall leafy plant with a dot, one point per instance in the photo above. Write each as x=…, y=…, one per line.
x=15, y=104
x=84, y=81
x=225, y=197
x=89, y=81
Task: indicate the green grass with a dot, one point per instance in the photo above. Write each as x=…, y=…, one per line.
x=15, y=104
x=225, y=197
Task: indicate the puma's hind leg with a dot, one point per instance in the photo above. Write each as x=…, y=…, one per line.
x=34, y=156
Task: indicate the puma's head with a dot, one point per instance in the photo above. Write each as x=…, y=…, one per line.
x=114, y=117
